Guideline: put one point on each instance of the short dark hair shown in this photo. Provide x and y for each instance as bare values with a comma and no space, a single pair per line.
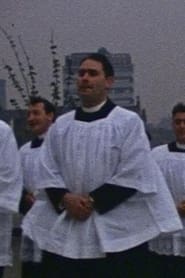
179,107
48,106
106,64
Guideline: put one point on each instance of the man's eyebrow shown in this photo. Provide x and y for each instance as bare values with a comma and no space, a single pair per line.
90,71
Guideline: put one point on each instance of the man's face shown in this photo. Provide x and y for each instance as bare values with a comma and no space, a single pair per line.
178,123
91,82
37,118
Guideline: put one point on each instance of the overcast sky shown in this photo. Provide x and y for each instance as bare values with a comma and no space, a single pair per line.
152,31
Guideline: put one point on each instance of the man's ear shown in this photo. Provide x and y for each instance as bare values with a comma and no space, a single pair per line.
109,81
51,116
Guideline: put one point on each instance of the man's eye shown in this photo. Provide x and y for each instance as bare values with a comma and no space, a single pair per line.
81,73
90,72
178,122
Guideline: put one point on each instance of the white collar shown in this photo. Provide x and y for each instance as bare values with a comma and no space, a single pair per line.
94,108
42,136
180,146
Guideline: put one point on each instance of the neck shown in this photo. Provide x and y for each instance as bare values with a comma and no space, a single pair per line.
93,108
88,103
41,135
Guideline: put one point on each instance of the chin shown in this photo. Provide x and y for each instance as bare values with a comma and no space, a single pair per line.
84,93
35,131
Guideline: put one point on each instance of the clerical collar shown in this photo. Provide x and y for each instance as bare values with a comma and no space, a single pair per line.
38,140
176,147
42,136
94,108
180,146
103,112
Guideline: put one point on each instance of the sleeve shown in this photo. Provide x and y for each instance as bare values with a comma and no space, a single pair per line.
49,174
136,167
25,205
55,196
135,171
108,196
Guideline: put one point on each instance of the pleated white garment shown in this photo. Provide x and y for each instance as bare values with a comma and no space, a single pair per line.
82,156
172,165
10,190
29,160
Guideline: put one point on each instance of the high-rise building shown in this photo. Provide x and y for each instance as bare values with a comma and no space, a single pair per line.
122,92
2,94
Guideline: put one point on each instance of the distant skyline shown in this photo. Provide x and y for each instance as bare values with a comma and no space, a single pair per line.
151,31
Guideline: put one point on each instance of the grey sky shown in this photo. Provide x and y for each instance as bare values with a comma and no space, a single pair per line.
152,31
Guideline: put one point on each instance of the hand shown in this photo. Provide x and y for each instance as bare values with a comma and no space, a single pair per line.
26,202
181,208
77,206
29,198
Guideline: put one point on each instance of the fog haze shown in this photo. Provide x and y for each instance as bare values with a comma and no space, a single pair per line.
151,31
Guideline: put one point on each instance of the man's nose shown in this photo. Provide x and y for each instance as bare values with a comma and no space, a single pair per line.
85,75
182,123
30,117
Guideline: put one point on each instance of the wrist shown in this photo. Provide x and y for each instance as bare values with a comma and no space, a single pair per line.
91,200
64,200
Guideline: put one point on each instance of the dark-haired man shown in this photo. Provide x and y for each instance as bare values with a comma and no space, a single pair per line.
102,184
171,159
40,116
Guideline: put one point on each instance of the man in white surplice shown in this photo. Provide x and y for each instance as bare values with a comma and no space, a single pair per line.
170,248
10,191
103,196
40,116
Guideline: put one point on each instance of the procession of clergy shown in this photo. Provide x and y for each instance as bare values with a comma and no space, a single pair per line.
95,200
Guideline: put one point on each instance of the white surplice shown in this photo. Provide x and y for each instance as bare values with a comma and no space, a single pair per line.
82,156
29,160
10,190
172,165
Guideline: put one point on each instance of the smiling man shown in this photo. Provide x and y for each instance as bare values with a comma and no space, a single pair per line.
103,187
171,158
40,116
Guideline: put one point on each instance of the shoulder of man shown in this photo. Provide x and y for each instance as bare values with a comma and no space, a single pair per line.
25,147
6,131
160,148
126,118
65,117
4,126
126,112
160,152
